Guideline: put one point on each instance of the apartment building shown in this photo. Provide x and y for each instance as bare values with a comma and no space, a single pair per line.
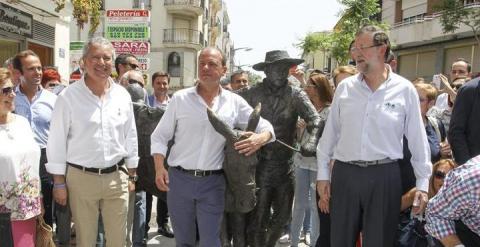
422,48
179,29
35,25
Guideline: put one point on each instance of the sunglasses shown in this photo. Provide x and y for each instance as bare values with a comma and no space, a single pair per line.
133,66
7,91
439,174
133,81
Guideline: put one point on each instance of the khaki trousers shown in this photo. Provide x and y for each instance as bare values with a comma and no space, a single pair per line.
91,193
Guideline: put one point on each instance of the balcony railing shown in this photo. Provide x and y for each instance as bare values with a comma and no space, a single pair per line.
194,3
182,36
422,18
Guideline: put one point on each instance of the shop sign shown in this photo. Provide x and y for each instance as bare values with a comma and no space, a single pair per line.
144,63
136,48
15,21
127,31
128,16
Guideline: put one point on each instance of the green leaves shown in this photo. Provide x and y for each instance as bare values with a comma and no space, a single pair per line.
356,14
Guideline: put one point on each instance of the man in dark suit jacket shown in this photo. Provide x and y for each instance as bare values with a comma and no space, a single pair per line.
464,132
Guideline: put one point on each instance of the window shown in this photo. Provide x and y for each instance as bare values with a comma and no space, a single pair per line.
138,4
174,64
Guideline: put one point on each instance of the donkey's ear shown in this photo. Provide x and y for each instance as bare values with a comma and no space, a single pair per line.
221,127
254,118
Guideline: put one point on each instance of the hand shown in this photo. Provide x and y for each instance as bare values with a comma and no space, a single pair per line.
301,123
131,186
161,179
323,189
250,145
60,195
445,150
300,76
419,202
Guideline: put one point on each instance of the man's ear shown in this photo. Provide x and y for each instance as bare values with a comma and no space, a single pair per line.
17,73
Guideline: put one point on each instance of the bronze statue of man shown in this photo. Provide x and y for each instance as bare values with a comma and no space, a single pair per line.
282,105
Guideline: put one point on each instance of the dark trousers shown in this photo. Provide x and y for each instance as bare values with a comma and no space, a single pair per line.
365,199
466,236
162,211
6,238
324,235
196,198
47,188
276,183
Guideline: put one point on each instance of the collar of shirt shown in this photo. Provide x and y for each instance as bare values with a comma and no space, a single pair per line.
18,92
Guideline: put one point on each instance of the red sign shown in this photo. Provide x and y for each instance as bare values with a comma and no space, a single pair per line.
128,13
132,47
128,16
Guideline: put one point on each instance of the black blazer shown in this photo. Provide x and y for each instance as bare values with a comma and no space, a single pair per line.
464,132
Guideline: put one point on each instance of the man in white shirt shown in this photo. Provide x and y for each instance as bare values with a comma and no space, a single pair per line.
92,143
370,113
195,180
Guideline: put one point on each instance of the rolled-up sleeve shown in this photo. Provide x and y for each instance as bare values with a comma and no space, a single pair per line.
131,142
417,141
164,130
452,202
57,139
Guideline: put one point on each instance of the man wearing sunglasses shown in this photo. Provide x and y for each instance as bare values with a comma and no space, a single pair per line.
453,214
36,104
125,62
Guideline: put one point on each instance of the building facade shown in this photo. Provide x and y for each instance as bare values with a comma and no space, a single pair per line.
179,29
420,44
35,25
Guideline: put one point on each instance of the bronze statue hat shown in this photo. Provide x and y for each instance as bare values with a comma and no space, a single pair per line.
277,56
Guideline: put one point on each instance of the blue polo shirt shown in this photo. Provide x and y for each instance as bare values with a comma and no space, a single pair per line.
38,112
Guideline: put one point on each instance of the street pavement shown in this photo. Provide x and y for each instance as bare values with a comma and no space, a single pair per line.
155,240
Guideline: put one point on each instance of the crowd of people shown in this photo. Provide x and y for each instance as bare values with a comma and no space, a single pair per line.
358,157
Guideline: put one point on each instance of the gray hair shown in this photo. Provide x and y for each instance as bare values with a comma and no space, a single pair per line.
100,41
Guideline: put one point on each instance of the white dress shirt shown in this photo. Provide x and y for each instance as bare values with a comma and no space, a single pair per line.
365,125
196,144
442,101
92,132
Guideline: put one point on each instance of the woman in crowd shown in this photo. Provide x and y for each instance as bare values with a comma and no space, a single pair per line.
439,172
343,72
19,159
320,93
50,79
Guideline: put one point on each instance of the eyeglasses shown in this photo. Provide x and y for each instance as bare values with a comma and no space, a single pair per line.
52,85
440,174
133,81
7,91
361,49
132,65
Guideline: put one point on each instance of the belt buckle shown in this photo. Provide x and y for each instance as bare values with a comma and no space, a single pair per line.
197,173
362,163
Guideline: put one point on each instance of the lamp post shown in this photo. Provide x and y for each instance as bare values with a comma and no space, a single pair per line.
232,56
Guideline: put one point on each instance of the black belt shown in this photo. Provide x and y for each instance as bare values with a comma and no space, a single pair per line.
363,163
198,173
119,166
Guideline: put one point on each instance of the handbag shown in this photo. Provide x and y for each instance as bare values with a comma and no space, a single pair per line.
44,234
413,234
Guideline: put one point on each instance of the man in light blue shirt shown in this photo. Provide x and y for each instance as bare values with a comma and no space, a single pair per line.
35,104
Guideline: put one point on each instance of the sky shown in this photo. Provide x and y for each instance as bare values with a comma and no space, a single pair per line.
265,25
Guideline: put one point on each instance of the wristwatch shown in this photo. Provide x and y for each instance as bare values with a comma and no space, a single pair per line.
133,178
